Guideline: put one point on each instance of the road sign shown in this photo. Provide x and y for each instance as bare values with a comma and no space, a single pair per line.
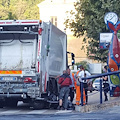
105,39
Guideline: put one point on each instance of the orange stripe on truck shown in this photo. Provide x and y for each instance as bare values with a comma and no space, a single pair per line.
10,72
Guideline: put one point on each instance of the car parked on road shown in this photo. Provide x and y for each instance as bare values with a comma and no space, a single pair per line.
96,84
90,86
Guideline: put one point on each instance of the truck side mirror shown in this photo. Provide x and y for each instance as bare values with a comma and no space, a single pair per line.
73,60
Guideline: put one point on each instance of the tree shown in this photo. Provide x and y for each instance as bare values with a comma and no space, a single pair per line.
22,9
85,64
88,21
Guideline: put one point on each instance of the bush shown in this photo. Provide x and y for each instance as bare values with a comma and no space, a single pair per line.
84,63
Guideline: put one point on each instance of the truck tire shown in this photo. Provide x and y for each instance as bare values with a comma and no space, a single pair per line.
37,105
53,106
2,103
11,103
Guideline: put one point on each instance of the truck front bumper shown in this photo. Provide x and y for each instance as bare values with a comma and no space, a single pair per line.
32,92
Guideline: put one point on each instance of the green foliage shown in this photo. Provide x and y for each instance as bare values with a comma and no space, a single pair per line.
89,21
19,9
84,63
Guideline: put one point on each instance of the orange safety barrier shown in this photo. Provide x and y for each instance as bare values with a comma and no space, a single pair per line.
11,72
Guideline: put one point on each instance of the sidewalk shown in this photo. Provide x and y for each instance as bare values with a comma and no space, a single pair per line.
94,102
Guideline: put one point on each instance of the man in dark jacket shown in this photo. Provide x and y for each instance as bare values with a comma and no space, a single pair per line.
64,81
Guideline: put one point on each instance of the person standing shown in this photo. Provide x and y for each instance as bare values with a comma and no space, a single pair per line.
84,73
72,87
105,84
64,81
77,87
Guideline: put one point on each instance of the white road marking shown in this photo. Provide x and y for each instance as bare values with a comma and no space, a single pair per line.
10,112
36,112
64,111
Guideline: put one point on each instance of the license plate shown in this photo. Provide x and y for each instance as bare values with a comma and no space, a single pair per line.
8,78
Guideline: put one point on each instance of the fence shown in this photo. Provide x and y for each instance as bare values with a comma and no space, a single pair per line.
96,76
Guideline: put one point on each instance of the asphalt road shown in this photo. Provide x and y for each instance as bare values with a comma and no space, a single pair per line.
23,112
109,114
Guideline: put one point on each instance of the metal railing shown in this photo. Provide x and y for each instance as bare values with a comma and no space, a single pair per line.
96,76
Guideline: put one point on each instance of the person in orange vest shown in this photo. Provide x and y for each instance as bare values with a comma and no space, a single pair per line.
77,87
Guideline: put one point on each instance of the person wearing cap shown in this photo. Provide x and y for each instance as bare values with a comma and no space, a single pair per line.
77,87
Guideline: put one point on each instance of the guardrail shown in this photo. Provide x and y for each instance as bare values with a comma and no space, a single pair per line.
96,76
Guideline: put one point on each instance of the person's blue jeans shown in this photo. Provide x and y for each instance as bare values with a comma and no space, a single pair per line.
64,93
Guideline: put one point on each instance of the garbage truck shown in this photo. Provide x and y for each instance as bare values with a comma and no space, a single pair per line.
32,54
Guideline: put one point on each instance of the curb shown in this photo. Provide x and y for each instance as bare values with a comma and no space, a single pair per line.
95,107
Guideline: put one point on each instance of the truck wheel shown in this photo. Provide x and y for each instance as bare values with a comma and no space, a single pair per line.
11,103
55,106
2,103
37,105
